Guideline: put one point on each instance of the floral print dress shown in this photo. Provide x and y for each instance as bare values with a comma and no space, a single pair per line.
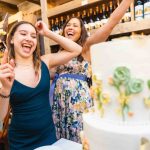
71,98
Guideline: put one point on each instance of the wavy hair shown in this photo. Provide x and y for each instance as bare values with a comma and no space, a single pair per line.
83,35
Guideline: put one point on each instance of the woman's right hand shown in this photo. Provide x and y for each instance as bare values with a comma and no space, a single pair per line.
6,73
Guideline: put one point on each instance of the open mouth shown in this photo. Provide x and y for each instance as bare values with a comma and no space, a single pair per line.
70,34
26,47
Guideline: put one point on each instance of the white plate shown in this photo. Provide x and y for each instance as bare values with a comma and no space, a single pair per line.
48,148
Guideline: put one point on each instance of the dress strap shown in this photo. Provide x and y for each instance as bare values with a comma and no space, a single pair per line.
57,76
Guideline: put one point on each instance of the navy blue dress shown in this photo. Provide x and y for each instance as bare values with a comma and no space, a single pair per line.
31,125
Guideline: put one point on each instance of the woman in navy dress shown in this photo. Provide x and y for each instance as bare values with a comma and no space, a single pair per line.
25,80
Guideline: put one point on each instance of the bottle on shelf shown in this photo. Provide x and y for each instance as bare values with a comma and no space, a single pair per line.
97,19
91,23
52,26
139,10
110,8
127,16
104,15
67,17
85,19
61,23
116,3
79,14
147,9
73,15
57,30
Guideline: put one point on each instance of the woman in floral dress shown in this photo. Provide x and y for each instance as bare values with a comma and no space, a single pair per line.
71,98
70,94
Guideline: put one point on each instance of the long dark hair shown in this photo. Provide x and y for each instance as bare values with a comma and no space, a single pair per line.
10,46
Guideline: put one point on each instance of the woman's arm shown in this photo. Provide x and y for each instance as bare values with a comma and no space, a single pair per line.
102,33
71,49
6,79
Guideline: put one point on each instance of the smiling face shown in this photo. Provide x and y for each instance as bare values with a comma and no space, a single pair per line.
24,40
73,29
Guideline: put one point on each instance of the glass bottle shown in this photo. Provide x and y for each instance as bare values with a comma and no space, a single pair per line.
91,21
57,26
104,15
97,20
52,25
61,23
147,9
139,9
111,8
127,16
85,19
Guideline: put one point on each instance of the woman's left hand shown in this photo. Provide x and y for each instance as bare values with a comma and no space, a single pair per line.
41,28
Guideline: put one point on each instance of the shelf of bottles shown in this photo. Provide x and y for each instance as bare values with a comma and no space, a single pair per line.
96,15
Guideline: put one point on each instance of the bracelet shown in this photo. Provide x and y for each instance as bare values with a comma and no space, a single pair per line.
4,96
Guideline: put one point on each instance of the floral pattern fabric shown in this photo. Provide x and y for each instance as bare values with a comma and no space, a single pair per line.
71,98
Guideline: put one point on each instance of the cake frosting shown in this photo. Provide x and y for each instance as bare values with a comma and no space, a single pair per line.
121,87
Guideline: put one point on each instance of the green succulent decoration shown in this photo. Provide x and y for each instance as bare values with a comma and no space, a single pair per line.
126,86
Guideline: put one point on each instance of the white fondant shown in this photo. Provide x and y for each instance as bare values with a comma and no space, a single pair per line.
111,132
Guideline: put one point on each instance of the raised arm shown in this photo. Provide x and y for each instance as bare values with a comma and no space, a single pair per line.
102,33
71,49
6,80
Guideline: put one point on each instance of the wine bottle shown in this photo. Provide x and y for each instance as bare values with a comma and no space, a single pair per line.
91,21
104,15
61,23
52,25
127,16
147,9
111,8
97,20
57,26
85,19
79,14
139,9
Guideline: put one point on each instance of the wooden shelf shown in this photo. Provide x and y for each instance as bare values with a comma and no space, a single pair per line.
132,26
74,4
127,27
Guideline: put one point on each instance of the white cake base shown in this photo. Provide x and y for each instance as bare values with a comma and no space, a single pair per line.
62,144
109,135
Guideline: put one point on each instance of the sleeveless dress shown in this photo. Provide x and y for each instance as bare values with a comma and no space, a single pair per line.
71,98
31,124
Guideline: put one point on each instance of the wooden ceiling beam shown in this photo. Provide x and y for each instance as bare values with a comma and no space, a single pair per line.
4,8
28,7
13,18
57,2
12,2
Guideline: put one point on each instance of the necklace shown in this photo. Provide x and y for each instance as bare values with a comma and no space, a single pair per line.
23,65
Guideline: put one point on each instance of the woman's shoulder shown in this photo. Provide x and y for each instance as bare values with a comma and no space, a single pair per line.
45,59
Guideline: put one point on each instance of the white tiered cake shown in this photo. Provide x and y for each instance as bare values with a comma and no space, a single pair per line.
121,83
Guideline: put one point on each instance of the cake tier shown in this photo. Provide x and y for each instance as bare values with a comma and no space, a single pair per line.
113,135
129,98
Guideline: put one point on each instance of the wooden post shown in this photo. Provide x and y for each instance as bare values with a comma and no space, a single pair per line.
28,9
132,15
45,19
